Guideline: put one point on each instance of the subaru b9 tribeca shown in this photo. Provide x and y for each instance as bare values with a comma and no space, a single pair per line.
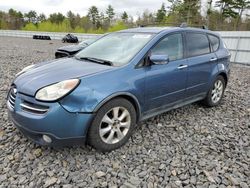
98,96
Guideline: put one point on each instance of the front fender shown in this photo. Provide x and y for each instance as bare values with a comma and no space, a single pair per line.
95,90
92,100
121,94
84,100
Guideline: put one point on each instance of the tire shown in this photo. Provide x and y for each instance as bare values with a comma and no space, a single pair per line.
211,99
104,134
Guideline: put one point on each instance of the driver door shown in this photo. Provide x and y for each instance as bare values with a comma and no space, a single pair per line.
165,84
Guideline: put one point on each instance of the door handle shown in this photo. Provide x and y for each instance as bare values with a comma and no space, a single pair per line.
213,59
182,67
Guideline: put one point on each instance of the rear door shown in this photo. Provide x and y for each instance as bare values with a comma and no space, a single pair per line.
200,62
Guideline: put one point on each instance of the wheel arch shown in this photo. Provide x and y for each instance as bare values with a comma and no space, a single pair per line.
128,96
224,75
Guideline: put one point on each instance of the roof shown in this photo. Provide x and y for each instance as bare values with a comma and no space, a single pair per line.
148,29
160,29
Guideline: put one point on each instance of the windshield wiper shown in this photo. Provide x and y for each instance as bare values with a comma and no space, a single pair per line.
96,60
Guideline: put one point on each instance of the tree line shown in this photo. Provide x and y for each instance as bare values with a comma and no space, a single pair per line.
215,14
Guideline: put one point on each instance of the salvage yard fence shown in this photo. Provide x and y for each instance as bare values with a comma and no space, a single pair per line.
53,35
238,42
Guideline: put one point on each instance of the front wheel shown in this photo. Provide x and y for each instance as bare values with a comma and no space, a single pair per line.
112,125
216,92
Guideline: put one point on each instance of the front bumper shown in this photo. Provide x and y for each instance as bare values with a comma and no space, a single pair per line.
61,126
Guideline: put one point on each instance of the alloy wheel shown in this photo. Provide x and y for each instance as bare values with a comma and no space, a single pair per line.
115,125
217,91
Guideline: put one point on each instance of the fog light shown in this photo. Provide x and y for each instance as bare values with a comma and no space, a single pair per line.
47,139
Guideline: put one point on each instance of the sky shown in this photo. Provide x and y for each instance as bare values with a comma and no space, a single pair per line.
132,7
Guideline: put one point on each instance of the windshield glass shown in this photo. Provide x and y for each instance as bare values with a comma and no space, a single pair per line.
87,41
118,48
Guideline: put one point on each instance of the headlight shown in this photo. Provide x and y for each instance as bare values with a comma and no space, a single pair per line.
25,69
56,91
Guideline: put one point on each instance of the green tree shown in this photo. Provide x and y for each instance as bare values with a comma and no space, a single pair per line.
226,10
124,17
209,11
214,23
174,11
3,18
32,16
240,6
110,13
41,17
104,22
85,23
74,20
190,11
174,4
56,18
93,15
147,18
161,14
15,19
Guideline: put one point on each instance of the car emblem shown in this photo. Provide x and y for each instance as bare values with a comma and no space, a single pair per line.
15,91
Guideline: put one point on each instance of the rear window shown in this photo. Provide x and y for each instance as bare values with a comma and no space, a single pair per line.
197,44
215,42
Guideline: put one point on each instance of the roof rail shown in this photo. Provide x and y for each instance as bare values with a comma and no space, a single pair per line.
204,27
183,25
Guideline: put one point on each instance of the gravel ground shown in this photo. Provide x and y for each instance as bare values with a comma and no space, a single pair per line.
189,147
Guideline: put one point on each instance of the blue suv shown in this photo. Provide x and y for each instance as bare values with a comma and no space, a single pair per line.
98,96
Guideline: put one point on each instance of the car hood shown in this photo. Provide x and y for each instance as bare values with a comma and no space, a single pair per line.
71,48
47,73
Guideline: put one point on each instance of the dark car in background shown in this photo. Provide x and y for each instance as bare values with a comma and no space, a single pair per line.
70,38
70,50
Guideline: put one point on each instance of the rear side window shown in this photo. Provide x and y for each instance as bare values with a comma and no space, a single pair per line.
197,44
215,42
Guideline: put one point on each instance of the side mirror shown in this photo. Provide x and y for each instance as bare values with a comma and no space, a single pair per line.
159,59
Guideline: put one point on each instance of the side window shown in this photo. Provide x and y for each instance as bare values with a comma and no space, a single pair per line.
171,45
197,44
215,41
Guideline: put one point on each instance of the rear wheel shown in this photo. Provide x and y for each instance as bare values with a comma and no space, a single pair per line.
112,125
216,92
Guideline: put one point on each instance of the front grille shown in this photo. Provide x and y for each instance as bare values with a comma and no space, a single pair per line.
33,108
12,97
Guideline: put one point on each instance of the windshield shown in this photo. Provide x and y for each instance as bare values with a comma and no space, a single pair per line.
87,41
118,48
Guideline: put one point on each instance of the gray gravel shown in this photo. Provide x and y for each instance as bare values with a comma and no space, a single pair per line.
189,147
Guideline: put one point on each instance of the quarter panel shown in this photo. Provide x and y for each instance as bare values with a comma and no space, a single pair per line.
199,73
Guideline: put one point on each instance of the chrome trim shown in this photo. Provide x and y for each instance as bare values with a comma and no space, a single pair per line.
213,59
12,98
15,91
182,67
33,109
10,105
